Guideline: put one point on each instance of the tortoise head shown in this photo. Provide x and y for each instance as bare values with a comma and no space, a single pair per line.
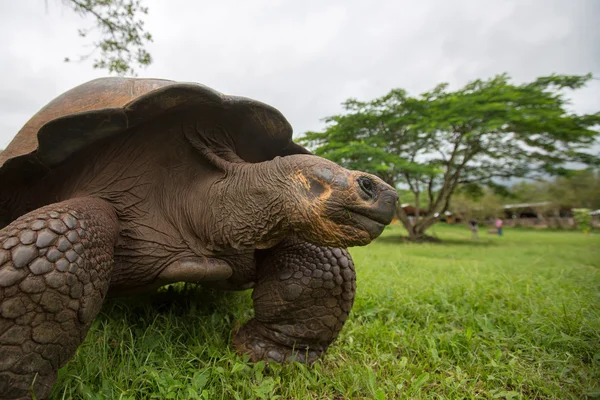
335,206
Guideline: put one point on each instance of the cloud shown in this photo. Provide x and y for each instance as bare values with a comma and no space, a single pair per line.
305,58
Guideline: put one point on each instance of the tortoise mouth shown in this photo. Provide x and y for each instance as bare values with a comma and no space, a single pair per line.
374,215
372,224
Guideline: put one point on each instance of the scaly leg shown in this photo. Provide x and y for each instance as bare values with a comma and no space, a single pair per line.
302,298
55,265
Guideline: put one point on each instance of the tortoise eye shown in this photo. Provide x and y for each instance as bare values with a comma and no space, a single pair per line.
366,185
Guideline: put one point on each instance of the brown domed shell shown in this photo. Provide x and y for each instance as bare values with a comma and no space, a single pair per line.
107,107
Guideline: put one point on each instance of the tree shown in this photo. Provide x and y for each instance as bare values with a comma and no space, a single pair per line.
485,205
583,218
581,189
122,33
578,189
433,143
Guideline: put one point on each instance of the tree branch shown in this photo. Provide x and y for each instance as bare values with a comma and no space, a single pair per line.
123,35
430,192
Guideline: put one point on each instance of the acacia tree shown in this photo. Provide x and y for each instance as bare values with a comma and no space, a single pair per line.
122,32
437,141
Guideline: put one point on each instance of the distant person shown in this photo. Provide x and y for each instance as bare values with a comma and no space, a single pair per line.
499,226
474,229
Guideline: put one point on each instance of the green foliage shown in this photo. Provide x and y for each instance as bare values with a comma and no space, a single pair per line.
471,190
583,219
483,204
579,189
488,130
123,35
512,317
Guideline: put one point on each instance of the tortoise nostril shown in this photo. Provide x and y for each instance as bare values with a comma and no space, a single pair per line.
390,197
367,186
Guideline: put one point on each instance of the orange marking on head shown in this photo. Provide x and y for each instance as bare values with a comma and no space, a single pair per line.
303,180
327,192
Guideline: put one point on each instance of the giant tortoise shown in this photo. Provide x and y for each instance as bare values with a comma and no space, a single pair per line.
125,185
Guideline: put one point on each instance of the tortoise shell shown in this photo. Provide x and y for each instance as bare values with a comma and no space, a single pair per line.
107,107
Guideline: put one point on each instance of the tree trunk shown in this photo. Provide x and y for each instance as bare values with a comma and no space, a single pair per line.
426,223
416,231
417,204
403,217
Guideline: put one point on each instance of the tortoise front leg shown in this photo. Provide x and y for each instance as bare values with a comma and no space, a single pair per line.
55,266
302,298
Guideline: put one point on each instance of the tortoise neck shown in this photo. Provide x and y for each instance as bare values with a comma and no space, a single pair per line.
248,208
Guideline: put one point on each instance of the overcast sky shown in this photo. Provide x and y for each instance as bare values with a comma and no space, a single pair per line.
305,57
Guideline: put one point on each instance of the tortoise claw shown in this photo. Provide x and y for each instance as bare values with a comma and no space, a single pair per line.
250,340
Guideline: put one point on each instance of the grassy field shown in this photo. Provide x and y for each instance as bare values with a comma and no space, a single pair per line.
511,317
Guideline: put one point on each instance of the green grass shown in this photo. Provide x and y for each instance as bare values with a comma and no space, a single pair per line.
511,317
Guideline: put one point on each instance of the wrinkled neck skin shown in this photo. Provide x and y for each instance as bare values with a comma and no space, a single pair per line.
247,208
